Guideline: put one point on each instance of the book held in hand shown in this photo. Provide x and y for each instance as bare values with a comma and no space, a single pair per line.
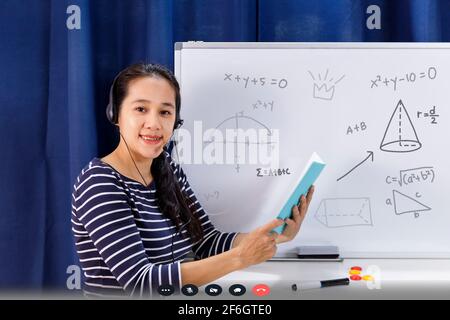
309,175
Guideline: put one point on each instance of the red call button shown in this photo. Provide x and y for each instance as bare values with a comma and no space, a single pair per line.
261,290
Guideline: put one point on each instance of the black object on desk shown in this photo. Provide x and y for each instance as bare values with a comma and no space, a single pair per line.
305,285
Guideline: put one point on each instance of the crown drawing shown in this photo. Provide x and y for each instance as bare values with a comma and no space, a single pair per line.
323,92
323,87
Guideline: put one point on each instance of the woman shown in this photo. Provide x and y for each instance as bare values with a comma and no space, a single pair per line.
134,215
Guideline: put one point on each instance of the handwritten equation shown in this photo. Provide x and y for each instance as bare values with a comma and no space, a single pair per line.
212,195
266,105
429,114
356,128
247,81
261,172
413,176
411,77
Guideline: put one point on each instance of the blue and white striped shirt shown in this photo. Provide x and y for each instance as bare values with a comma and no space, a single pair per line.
124,242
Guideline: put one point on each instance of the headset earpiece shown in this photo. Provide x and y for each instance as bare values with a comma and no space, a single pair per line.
111,112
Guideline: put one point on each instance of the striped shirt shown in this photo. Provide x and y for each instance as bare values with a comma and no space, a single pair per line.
124,243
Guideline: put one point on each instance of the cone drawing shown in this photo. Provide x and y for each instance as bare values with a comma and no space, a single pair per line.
400,134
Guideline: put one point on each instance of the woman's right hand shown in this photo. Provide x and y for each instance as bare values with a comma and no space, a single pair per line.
258,245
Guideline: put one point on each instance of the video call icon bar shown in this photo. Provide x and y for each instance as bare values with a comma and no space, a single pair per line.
214,290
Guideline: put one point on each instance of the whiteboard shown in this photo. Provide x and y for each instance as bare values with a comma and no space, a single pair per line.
376,113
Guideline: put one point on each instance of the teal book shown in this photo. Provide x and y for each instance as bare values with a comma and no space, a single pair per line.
308,177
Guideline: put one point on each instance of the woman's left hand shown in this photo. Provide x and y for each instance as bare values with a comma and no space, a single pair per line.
298,214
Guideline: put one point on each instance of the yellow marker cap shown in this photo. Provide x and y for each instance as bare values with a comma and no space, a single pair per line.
355,272
367,278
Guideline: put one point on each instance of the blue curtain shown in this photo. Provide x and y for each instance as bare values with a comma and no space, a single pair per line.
55,83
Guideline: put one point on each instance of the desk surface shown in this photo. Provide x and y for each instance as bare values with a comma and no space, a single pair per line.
393,279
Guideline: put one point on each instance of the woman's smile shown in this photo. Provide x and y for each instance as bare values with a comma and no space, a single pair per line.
151,139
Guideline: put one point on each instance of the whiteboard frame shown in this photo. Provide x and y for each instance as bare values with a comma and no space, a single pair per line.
179,46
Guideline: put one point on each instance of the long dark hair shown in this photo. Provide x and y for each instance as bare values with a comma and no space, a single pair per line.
173,202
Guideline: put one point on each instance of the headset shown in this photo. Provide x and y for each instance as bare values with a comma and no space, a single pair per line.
112,114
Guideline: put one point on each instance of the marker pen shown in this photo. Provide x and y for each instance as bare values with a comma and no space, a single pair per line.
305,285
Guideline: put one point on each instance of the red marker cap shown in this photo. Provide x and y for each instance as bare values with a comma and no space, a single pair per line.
355,277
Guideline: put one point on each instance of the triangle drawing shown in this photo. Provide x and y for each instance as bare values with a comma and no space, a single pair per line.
405,204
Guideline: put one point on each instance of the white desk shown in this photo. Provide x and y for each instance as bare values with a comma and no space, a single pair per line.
393,279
